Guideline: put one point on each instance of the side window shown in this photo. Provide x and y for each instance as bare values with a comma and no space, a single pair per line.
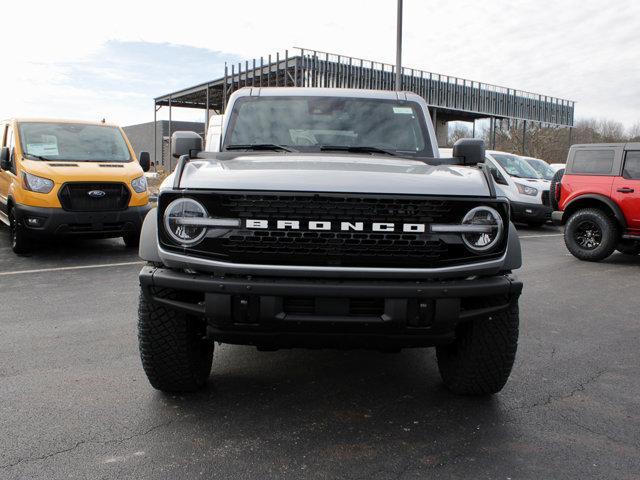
597,162
632,166
10,143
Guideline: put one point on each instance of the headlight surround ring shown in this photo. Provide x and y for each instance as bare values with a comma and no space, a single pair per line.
483,242
185,235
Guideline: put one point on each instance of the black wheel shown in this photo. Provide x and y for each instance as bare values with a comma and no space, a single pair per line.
591,235
20,242
480,360
629,247
176,356
132,240
557,178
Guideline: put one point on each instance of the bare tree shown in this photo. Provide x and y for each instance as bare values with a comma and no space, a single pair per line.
457,132
551,143
634,132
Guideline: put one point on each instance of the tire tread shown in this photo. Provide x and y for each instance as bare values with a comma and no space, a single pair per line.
481,359
167,342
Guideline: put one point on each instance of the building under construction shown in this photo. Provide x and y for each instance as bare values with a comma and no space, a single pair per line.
449,98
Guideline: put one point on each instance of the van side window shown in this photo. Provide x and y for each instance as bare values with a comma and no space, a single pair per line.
10,143
593,161
632,166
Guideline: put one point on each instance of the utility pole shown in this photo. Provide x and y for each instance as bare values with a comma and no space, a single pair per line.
399,48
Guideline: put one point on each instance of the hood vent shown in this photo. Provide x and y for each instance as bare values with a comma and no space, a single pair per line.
111,165
63,164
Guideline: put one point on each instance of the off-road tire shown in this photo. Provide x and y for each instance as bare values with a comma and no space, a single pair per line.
557,178
480,360
629,248
18,238
175,354
608,228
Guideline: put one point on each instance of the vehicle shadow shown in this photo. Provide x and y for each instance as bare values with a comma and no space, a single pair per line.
621,259
64,252
338,408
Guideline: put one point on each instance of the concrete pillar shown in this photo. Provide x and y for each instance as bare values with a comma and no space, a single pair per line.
442,132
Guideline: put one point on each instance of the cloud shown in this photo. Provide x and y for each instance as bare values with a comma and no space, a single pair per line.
117,81
70,52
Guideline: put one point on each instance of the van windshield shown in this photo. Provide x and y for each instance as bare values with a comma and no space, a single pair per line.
542,167
73,141
312,124
515,166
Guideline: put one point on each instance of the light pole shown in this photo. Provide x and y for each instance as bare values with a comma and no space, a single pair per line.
399,48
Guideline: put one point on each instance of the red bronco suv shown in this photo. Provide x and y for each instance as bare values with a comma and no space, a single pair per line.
598,200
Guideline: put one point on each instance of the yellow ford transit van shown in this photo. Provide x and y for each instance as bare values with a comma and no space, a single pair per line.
60,177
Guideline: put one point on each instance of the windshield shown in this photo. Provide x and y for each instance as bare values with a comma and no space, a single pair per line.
542,167
323,123
73,141
515,166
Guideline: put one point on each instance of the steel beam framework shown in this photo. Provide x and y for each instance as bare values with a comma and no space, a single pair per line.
451,97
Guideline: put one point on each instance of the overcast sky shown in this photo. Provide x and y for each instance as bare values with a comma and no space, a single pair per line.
91,60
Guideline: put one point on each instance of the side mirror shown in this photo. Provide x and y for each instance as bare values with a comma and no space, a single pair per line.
183,143
5,159
470,150
499,179
145,161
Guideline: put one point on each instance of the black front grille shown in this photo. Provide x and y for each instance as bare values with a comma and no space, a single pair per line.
545,198
333,247
353,307
76,197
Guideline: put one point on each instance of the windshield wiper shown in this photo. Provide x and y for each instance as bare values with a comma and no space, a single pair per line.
38,157
355,149
260,146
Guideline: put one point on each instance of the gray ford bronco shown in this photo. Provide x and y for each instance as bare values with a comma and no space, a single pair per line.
325,218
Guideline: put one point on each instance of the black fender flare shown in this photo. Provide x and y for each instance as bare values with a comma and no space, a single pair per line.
615,209
513,257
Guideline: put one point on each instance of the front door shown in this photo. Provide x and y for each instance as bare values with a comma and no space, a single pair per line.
626,190
5,177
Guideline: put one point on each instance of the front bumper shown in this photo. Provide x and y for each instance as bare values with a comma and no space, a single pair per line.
530,212
57,221
286,312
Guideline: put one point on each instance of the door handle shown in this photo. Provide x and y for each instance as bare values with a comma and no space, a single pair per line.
625,190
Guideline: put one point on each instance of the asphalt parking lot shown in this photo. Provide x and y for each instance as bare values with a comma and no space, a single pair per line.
75,402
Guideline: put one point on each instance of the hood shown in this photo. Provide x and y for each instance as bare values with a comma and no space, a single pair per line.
539,183
68,171
332,173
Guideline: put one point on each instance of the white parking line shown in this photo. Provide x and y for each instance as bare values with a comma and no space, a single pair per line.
538,236
79,267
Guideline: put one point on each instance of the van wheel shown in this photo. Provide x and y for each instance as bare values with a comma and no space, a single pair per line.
132,240
20,242
479,362
591,235
175,353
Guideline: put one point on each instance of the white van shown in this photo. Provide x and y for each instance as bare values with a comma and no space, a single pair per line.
521,184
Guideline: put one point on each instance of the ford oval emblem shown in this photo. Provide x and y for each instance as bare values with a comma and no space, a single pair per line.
96,193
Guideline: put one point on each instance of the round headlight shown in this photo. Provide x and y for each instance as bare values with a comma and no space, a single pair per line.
483,241
176,221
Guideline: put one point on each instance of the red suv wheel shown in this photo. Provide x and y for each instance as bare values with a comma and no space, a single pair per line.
591,235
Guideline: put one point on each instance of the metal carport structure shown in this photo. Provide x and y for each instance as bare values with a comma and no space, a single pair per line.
449,98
